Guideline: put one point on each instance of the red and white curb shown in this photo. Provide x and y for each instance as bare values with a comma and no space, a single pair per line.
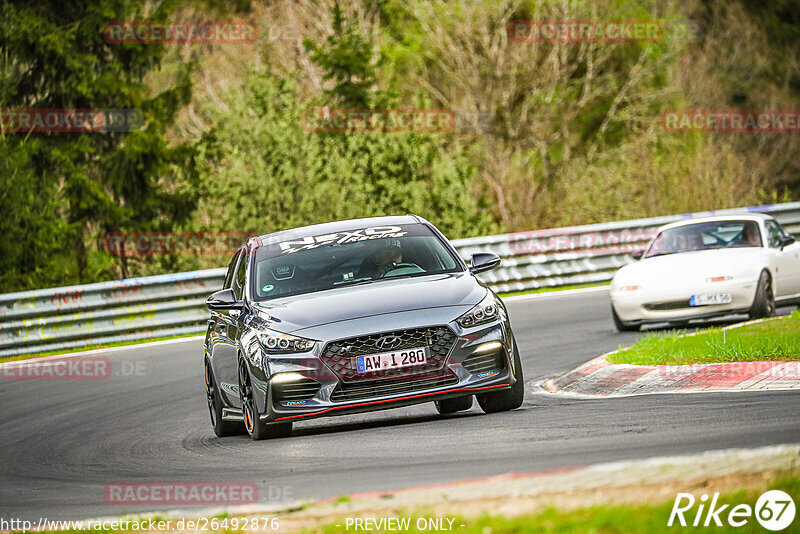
601,378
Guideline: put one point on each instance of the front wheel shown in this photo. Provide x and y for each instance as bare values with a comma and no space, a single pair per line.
502,401
764,302
221,428
257,428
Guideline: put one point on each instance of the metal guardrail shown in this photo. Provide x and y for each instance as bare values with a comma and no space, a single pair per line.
173,304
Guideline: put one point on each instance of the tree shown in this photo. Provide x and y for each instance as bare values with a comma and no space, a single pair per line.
54,56
348,61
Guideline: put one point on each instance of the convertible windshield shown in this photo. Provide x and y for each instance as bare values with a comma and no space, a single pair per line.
362,256
706,236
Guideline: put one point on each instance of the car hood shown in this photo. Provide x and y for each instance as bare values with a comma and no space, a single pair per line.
687,266
459,290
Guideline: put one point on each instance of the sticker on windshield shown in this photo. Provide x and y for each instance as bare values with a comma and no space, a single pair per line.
267,288
283,272
340,238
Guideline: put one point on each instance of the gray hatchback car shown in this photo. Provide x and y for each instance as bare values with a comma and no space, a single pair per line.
354,316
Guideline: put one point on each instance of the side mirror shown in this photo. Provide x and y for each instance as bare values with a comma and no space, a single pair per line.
484,261
786,241
637,255
224,299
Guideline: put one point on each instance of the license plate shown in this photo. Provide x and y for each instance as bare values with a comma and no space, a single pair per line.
392,360
709,299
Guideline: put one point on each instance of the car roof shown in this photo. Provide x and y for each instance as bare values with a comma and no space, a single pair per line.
717,218
336,227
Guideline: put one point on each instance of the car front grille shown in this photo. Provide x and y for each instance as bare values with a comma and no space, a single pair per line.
341,355
669,305
353,391
296,391
484,362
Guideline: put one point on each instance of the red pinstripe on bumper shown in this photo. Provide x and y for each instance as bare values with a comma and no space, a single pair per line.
389,400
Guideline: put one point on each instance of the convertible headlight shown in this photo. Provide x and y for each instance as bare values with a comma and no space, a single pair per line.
485,312
279,343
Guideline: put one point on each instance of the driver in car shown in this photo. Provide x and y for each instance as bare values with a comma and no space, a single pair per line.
750,237
689,241
382,261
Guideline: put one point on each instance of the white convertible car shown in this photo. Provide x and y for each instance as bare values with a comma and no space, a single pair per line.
702,268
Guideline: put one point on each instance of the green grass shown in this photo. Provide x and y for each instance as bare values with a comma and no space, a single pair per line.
549,289
92,347
619,519
772,340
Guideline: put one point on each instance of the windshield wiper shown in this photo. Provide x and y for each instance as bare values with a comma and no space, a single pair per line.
355,281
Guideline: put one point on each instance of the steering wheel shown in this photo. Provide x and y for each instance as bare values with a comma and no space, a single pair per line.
389,267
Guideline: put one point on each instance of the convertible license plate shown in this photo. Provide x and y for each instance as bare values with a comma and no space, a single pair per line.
709,299
392,360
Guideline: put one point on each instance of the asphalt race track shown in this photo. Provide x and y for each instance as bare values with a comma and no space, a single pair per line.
63,441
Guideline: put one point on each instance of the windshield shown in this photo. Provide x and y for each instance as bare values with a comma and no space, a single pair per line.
705,236
363,256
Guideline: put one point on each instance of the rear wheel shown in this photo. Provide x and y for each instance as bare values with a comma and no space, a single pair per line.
221,428
448,406
621,325
764,302
509,399
257,428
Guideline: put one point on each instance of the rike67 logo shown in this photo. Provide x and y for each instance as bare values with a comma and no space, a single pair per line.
774,510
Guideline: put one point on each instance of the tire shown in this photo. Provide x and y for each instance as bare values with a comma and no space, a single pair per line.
448,406
621,325
764,301
256,428
503,401
221,428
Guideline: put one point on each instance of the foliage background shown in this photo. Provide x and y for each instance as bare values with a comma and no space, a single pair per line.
548,134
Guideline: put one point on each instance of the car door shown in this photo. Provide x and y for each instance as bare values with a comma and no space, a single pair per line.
224,353
786,261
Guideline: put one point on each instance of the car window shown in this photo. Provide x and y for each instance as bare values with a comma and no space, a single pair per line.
231,269
239,277
706,236
305,264
774,234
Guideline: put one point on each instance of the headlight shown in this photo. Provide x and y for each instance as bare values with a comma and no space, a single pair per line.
485,312
279,343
